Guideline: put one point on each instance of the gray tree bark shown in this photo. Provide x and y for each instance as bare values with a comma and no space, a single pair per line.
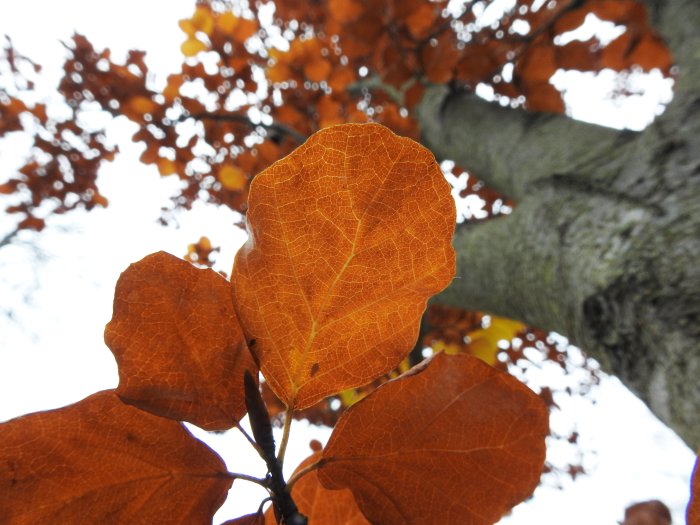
604,243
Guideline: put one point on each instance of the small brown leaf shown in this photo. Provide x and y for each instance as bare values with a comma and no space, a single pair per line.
178,344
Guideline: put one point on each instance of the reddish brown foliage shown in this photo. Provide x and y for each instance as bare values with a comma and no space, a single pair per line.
102,461
321,278
178,344
401,45
495,457
652,512
181,356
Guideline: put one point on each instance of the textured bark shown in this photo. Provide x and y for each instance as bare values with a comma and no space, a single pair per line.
604,244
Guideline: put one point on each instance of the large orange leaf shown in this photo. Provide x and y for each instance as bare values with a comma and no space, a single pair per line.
348,237
693,516
102,461
320,505
178,344
450,441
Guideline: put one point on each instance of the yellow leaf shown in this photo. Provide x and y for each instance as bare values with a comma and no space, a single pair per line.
232,178
192,46
165,166
203,19
484,342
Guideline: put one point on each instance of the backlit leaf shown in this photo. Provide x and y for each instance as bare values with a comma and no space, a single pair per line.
102,461
451,441
178,344
348,237
320,505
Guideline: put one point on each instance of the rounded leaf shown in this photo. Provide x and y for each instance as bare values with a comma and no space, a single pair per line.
349,236
102,461
180,350
452,440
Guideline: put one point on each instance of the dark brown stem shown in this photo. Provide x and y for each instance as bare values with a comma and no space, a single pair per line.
285,507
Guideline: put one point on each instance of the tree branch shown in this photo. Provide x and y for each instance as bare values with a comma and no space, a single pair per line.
471,131
276,127
9,237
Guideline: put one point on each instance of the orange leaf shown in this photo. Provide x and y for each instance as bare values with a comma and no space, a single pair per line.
537,65
202,19
544,97
320,505
239,28
414,95
421,19
651,52
345,10
317,69
101,461
577,55
570,20
166,166
340,78
329,112
349,237
440,60
452,440
178,344
693,513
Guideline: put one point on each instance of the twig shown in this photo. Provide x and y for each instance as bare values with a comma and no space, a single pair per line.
250,440
245,477
242,119
288,416
308,468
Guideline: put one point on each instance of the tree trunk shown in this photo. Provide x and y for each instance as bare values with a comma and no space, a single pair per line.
604,243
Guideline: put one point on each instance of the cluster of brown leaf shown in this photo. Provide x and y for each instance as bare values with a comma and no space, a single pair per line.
216,123
60,172
326,295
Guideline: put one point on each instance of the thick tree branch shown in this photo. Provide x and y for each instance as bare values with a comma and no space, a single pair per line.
603,244
503,146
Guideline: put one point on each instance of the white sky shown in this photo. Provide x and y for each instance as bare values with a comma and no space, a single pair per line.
54,354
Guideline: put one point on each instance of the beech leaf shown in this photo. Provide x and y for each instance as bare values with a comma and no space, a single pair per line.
349,236
177,341
452,440
102,461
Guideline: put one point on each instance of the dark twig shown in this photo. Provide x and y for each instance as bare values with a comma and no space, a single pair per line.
276,127
262,431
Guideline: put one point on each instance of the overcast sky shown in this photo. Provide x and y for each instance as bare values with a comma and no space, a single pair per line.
60,286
